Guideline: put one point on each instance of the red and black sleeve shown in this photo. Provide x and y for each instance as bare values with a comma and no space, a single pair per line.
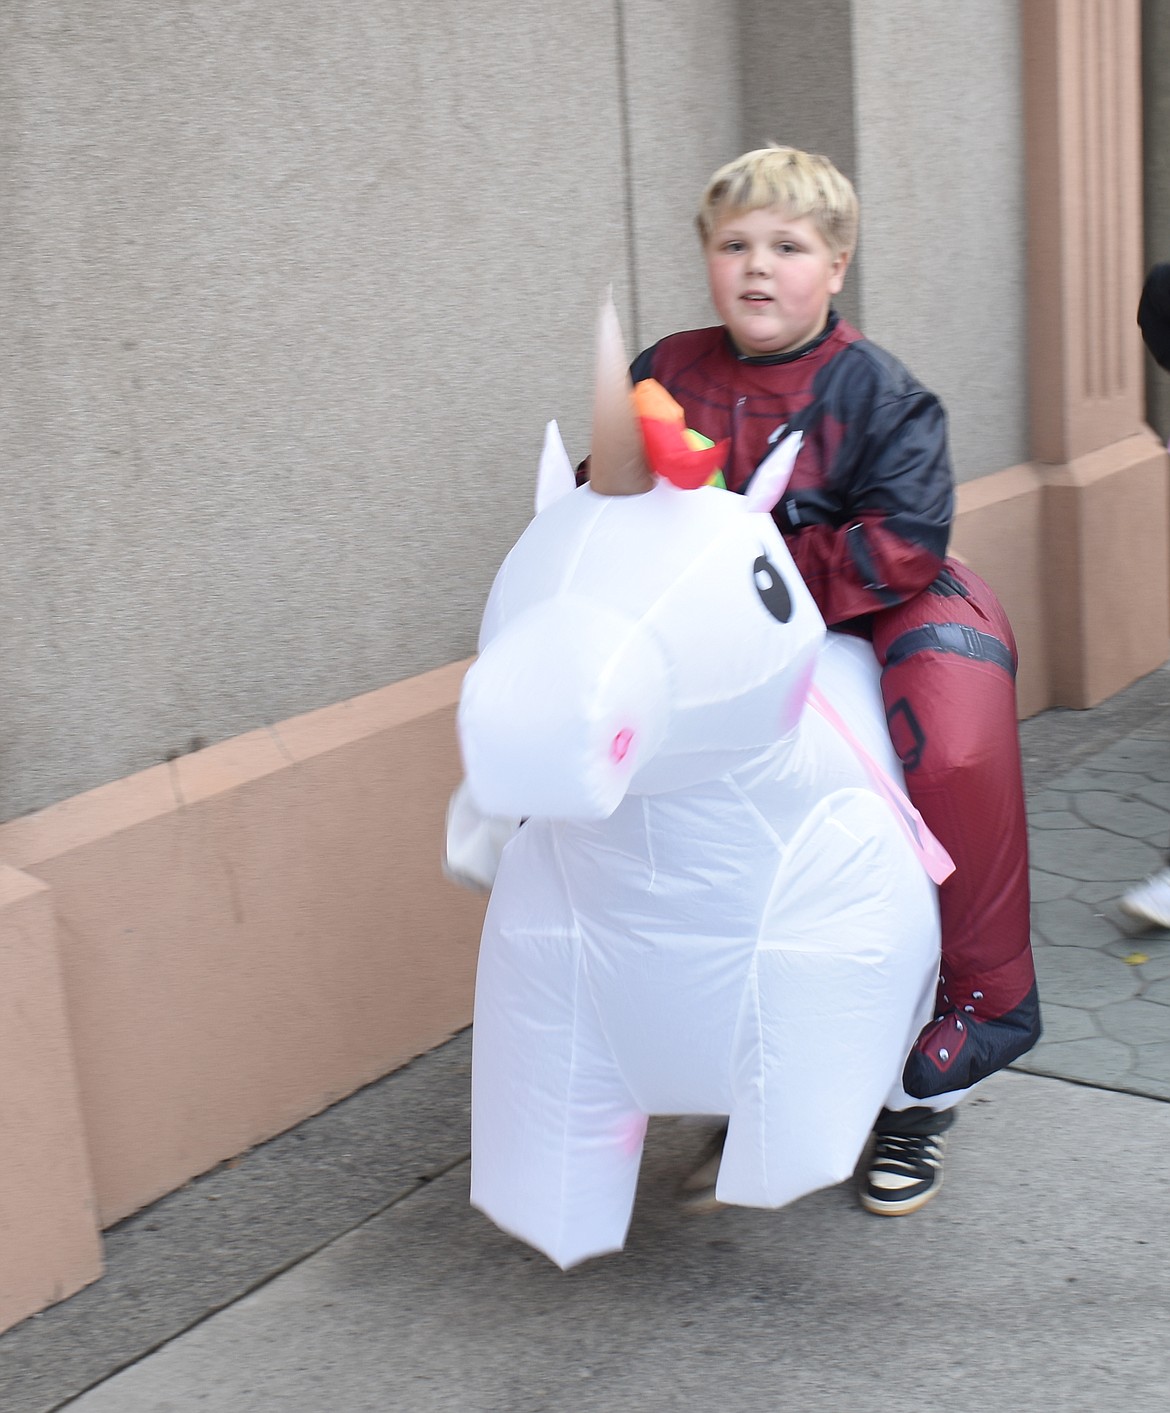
875,532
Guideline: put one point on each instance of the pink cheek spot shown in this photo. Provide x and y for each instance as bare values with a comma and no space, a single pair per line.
792,708
632,1134
620,745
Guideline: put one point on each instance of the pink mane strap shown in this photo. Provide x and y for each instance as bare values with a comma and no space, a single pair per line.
934,858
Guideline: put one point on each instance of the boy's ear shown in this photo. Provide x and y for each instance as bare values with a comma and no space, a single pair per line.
837,272
554,475
770,478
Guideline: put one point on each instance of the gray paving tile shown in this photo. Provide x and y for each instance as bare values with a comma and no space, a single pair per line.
1101,892
1131,1083
1154,940
1152,1087
1158,992
1157,968
1088,855
1095,1061
1056,741
1131,951
1066,1023
1153,1061
1155,947
1135,756
1078,976
1138,1023
1123,814
1042,800
1066,922
1046,886
1158,793
1054,819
1084,777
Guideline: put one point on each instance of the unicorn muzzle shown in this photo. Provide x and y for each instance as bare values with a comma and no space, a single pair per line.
559,711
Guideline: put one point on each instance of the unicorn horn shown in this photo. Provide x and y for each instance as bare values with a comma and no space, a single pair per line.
617,463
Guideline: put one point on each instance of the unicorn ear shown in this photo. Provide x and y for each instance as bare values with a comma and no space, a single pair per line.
771,475
554,476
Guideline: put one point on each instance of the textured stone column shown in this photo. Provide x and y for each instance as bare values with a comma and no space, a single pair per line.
1083,123
1106,519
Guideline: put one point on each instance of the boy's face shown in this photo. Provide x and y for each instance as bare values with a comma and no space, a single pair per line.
772,277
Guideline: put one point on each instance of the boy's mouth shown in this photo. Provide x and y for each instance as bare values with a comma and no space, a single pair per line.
755,297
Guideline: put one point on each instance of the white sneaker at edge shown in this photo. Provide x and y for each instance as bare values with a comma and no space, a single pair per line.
1150,901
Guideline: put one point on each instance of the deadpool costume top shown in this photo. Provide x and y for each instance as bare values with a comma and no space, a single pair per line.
873,460
866,516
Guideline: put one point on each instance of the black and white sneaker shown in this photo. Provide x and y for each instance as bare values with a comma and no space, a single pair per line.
904,1173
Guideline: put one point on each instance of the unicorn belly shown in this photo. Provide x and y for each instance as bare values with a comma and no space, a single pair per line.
667,895
778,978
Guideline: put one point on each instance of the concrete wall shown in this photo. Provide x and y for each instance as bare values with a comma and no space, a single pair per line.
919,104
940,166
683,105
287,292
798,89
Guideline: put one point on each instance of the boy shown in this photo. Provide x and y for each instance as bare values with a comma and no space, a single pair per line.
867,516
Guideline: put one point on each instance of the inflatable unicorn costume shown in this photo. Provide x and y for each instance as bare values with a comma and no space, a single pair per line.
719,902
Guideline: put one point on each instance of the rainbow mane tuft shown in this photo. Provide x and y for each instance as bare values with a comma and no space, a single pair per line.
676,452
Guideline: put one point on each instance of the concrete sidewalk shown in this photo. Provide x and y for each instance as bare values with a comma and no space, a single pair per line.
341,1268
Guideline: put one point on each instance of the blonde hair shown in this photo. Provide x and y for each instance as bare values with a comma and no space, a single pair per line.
802,183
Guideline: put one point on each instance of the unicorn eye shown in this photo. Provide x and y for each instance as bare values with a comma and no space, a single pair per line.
772,589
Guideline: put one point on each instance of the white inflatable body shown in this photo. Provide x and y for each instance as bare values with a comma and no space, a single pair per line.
710,910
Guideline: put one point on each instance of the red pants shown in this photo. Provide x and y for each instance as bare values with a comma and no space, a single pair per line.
948,662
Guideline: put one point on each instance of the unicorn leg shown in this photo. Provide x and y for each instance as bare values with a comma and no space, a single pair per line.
848,945
556,1139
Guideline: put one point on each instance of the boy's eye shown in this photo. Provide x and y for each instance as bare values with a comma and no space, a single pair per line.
733,246
786,247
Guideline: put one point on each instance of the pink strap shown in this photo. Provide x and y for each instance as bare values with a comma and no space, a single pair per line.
935,859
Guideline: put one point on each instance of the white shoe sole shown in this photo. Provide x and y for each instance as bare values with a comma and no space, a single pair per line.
903,1208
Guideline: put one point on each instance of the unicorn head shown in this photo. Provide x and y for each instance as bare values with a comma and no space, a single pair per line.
639,637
